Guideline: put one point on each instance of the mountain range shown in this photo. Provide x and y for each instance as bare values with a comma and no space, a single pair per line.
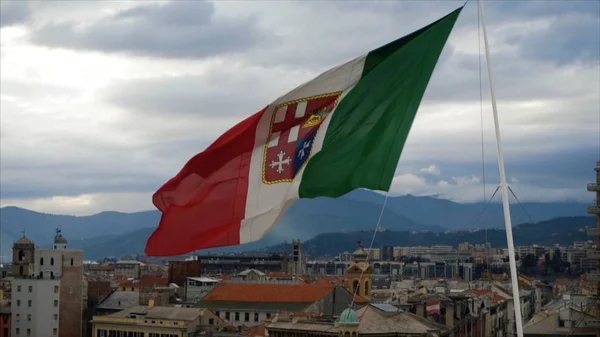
563,231
114,233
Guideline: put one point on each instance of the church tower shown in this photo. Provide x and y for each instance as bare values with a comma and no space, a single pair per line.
23,257
360,273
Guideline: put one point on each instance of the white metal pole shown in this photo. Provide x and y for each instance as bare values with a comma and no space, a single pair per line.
503,184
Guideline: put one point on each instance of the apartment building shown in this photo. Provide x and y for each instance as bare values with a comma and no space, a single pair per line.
47,289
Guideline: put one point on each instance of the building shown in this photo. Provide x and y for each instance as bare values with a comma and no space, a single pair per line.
151,321
197,287
47,289
594,278
569,320
179,271
233,264
360,274
381,320
387,253
249,304
128,269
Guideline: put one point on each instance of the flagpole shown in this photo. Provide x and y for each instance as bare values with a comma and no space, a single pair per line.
503,184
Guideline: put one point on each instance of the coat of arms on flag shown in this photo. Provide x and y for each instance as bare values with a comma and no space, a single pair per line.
294,125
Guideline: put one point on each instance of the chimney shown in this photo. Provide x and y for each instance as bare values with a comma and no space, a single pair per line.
150,303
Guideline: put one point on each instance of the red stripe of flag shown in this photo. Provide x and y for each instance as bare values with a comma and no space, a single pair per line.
204,204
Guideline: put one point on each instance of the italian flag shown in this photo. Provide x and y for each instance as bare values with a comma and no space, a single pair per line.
343,130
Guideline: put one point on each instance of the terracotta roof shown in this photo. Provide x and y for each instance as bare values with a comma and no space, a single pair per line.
360,299
252,292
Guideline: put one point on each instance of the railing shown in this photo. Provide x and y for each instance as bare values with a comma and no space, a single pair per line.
593,187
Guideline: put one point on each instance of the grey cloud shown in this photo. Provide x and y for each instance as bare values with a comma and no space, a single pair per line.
533,9
567,39
565,172
218,94
184,29
13,12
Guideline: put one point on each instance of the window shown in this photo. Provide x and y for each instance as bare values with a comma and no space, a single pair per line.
211,321
227,315
17,331
41,261
246,317
256,316
28,317
218,314
56,289
18,303
30,289
237,316
56,303
29,303
123,288
71,261
55,317
51,261
18,317
54,332
52,275
28,332
18,289
20,272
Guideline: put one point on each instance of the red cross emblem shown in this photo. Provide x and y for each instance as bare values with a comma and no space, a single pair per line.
292,131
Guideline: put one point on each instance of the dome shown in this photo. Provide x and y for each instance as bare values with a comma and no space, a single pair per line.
349,316
60,239
24,241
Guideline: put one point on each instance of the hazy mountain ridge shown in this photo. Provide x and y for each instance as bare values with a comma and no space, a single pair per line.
562,231
356,211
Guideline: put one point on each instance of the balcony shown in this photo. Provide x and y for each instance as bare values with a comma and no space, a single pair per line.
593,210
593,231
593,187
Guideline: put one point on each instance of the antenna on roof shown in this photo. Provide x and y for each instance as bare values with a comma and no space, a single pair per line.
23,231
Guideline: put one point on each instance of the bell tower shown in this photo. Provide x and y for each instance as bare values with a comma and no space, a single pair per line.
360,273
23,257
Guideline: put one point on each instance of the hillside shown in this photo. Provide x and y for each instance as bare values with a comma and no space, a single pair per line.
562,231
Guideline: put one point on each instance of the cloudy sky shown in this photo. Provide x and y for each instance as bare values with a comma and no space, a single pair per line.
102,102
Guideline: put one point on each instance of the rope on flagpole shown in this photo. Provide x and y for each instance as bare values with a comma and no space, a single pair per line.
370,247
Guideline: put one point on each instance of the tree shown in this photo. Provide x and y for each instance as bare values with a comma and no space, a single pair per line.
557,263
529,262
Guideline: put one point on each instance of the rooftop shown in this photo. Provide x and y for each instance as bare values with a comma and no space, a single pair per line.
260,292
170,313
120,300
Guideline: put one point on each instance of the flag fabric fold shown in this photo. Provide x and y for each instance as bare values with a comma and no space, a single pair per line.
343,130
